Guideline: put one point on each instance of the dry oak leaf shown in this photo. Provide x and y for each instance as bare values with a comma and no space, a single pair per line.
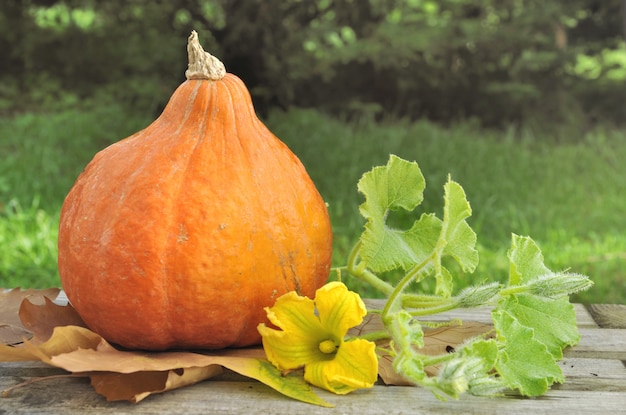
52,329
64,339
42,319
134,387
11,329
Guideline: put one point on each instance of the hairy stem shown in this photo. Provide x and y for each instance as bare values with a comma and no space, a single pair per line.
359,270
394,302
450,304
514,289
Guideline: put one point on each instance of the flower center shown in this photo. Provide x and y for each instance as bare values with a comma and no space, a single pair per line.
328,347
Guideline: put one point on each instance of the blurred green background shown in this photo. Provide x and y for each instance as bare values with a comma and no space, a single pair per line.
521,101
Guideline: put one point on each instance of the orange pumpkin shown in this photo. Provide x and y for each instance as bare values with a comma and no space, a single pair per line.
179,235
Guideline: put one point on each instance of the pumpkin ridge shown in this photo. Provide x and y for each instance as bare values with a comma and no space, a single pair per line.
207,93
232,113
188,108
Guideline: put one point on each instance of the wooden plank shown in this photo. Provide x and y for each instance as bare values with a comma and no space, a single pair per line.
592,374
580,374
611,316
600,344
398,400
74,396
584,319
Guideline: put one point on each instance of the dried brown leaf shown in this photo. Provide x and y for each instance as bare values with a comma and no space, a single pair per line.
11,335
135,387
10,302
41,319
63,340
444,339
106,358
132,375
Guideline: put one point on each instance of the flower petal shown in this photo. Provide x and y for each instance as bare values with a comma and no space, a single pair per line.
355,366
296,315
287,351
339,309
298,342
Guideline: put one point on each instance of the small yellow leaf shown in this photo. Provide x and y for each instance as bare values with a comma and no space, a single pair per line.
291,385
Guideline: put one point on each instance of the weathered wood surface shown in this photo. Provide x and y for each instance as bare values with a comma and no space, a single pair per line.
595,384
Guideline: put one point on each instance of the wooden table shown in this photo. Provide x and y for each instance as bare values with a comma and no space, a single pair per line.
594,369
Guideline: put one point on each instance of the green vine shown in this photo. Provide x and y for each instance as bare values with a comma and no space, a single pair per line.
532,316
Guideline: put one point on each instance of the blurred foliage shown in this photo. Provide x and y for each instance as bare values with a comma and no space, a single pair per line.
500,62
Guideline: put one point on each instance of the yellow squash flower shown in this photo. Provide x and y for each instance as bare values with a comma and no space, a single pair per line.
312,335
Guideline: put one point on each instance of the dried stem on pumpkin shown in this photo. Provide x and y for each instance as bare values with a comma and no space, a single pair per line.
202,65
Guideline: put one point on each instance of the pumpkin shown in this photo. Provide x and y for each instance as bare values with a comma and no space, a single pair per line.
179,235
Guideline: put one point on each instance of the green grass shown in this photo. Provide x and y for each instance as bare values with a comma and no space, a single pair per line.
568,197
28,237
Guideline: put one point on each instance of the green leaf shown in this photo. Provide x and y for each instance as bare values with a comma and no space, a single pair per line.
523,361
487,350
526,261
553,320
457,239
532,329
398,185
460,238
384,249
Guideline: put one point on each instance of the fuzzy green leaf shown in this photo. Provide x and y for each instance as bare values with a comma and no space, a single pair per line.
552,320
460,238
532,329
523,362
398,185
480,380
526,261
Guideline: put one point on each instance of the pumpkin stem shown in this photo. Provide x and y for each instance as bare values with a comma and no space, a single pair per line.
202,65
